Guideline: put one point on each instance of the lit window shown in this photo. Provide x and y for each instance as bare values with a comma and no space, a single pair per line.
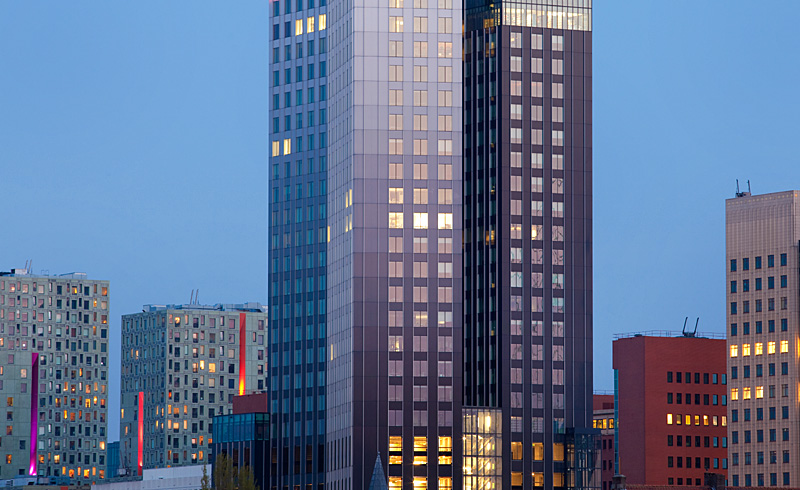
724,421
322,22
746,393
276,148
420,483
734,394
298,27
745,350
287,146
669,419
445,483
310,24
445,221
784,346
771,347
759,392
395,482
705,419
396,195
395,220
688,420
421,221
759,348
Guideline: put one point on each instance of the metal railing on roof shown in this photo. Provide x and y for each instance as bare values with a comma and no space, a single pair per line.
669,333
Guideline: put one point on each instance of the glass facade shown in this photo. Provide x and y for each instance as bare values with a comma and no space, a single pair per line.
528,230
298,238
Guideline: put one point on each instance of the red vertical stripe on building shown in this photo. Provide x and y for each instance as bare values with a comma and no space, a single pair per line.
242,351
140,417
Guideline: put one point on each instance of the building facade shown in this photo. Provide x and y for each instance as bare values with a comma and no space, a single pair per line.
298,238
244,437
394,256
672,413
53,375
528,236
604,421
762,234
181,366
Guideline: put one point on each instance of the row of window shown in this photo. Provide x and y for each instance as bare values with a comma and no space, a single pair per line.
759,284
748,460
707,441
759,370
678,399
310,73
773,480
770,262
705,420
310,97
747,392
301,26
772,413
678,462
759,327
24,288
759,305
773,436
287,6
679,377
298,50
758,348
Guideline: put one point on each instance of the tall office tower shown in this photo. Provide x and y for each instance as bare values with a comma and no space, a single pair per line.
181,366
528,241
394,257
298,241
671,395
604,417
53,375
762,234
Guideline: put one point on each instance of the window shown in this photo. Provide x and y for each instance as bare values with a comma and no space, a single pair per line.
395,220
395,24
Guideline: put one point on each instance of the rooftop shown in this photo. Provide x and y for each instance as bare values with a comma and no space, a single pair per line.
670,334
29,273
249,307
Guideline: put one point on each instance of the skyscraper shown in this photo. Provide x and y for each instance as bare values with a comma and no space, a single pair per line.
762,234
181,366
394,257
528,240
298,235
53,375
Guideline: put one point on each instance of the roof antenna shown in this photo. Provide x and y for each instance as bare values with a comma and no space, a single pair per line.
196,296
737,190
191,297
683,331
748,186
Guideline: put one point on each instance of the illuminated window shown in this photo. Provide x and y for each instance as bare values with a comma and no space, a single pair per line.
516,450
395,450
759,348
396,195
784,346
734,394
538,451
310,24
445,483
669,419
322,22
420,483
298,27
395,24
287,146
696,420
558,479
558,451
445,221
705,419
745,350
759,392
734,350
395,220
421,221
395,483
445,451
746,393
276,148
538,479
724,421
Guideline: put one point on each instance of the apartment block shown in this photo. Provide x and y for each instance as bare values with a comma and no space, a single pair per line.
672,409
762,234
53,375
181,366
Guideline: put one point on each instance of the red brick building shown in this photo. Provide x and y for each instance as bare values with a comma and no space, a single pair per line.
672,414
603,419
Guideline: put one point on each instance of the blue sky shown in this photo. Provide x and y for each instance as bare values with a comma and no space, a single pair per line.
133,146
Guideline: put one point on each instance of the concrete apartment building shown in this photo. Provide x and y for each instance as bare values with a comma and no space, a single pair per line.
181,366
672,413
762,234
53,375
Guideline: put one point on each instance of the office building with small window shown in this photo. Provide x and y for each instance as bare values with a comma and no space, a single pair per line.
762,234
672,408
181,366
53,375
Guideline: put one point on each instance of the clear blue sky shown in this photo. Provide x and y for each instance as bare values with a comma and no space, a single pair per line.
133,146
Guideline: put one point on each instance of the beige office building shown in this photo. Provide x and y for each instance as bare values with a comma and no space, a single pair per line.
762,235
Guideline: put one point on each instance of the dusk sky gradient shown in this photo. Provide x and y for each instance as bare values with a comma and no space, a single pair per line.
134,147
